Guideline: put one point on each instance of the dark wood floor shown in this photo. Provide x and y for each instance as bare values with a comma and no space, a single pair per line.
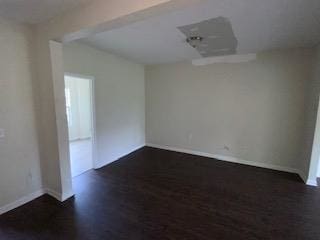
157,194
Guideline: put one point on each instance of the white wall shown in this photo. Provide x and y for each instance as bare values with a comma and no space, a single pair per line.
80,107
251,111
20,173
119,99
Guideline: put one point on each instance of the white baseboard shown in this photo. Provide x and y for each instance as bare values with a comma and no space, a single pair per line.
60,197
32,196
303,176
312,182
100,165
235,160
66,196
21,201
79,139
53,194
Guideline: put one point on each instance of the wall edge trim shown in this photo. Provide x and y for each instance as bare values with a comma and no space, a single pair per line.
129,152
235,160
21,201
32,196
312,182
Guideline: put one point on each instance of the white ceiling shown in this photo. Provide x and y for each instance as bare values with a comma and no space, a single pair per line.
35,11
258,25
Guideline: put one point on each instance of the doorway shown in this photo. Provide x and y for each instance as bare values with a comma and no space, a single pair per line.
80,112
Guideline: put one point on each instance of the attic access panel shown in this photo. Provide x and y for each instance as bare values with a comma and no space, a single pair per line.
218,38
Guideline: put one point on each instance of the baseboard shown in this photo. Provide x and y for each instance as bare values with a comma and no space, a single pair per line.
303,176
22,201
54,194
235,160
60,197
28,198
312,182
100,165
66,196
79,139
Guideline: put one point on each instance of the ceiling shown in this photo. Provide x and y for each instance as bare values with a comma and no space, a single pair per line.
35,11
258,25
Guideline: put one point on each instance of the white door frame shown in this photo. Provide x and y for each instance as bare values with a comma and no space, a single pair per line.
93,114
315,154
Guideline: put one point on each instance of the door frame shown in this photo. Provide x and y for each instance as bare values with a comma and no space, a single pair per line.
314,164
93,115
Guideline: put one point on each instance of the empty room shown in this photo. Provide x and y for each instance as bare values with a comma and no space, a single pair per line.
160,119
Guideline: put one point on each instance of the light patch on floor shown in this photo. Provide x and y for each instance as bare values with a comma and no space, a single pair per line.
80,156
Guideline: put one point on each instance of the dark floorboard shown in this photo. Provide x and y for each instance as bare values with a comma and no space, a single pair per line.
157,194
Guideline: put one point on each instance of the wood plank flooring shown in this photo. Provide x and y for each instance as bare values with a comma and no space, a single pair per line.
157,194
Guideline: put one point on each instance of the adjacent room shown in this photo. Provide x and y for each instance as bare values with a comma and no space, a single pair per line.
78,92
160,119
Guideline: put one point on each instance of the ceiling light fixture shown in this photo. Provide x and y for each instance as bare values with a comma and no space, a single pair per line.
194,41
